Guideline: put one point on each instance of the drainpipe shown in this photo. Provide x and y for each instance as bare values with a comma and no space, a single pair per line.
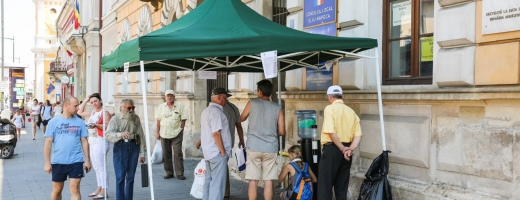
100,43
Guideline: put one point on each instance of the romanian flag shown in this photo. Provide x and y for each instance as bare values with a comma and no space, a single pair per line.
65,49
319,2
76,16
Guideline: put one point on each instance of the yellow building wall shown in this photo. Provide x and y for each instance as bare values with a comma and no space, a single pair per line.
132,12
497,57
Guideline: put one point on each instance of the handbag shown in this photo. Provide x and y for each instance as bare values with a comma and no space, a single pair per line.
29,120
144,175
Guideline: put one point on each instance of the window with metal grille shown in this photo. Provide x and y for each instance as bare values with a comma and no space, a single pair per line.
280,12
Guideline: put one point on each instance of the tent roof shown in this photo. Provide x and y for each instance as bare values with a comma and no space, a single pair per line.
227,35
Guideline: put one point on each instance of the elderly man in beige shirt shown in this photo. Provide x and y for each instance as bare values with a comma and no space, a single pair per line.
171,118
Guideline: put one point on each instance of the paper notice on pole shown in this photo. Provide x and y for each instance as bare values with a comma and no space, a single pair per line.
315,158
270,62
314,144
125,72
207,75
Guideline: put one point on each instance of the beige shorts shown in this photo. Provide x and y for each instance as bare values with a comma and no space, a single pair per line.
261,166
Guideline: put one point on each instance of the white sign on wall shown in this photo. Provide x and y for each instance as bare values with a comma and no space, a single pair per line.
207,75
401,13
500,16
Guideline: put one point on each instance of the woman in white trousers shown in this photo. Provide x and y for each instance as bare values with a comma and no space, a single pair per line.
99,146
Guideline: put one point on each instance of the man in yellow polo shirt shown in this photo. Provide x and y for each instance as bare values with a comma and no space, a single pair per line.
340,136
171,119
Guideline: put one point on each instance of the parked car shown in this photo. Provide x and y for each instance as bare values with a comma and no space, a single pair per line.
8,138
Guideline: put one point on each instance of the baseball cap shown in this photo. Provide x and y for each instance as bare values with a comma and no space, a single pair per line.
169,92
335,89
218,91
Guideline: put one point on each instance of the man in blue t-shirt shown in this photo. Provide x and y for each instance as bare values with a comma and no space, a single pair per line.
66,136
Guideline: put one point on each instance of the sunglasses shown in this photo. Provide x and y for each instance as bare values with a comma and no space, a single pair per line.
130,108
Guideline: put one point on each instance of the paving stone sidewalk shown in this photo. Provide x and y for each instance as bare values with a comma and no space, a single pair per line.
23,177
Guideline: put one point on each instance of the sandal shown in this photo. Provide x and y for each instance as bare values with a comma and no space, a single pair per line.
92,195
98,197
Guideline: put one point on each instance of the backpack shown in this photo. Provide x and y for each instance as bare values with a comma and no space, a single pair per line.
303,184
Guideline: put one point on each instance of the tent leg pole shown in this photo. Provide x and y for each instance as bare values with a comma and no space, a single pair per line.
146,130
380,101
280,137
104,96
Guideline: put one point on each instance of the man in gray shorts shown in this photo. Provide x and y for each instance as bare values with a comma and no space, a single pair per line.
266,123
66,137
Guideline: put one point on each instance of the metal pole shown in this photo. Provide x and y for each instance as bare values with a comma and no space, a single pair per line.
103,112
146,130
13,49
281,137
380,101
2,51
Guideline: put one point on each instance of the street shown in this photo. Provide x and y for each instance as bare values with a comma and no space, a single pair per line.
23,177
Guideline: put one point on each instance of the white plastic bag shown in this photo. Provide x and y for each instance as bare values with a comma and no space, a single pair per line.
157,155
240,154
197,189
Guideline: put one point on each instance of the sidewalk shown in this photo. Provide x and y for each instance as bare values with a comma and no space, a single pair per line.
23,177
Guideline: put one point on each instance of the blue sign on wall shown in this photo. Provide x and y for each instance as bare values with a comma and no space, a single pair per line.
329,29
319,12
318,79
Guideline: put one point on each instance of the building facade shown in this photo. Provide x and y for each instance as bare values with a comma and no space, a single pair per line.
450,92
450,85
46,45
77,64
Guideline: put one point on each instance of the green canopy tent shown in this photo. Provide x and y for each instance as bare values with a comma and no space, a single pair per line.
227,35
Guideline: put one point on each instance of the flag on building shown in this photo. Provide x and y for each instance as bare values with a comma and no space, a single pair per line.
76,16
66,49
319,2
50,88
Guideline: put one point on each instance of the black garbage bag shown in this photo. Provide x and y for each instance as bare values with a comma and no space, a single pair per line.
376,186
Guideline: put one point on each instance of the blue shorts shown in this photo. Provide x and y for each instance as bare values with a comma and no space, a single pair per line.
61,171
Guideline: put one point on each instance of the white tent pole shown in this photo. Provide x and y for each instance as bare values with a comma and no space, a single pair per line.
104,96
147,132
380,100
280,103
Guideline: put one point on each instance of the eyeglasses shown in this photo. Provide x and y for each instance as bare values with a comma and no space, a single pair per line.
130,108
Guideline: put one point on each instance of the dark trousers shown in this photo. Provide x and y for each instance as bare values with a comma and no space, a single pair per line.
334,172
126,156
176,144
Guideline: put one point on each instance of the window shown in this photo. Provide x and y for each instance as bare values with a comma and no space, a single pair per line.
408,42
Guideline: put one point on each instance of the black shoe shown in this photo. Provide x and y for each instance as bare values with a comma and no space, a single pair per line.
181,177
168,176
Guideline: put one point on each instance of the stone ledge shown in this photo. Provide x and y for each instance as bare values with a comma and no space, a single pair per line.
413,189
444,94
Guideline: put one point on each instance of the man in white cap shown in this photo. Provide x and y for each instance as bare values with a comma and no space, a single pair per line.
171,118
340,136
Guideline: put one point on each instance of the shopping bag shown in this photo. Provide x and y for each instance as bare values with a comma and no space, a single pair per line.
197,189
376,186
240,155
29,119
157,155
144,175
